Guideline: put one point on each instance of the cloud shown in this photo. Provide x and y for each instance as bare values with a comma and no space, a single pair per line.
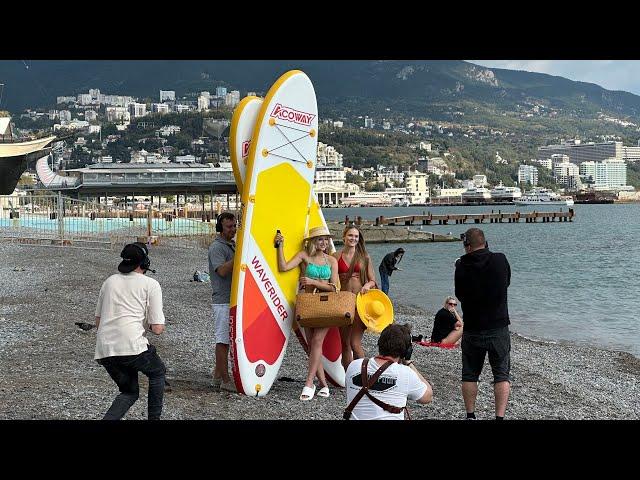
610,74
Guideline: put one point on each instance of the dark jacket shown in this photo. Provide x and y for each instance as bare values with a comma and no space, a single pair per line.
481,281
388,264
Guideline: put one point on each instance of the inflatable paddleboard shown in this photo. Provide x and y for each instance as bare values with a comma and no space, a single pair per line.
242,128
276,196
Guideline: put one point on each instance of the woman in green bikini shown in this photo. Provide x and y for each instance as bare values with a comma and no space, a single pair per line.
318,270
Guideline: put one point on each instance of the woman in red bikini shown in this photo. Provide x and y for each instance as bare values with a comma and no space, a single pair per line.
356,273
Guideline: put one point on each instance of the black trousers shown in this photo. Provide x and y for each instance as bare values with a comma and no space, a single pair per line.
124,371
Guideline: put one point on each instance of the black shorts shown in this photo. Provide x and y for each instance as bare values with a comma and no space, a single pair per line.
475,346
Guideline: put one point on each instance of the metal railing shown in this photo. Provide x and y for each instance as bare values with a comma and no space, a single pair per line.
56,220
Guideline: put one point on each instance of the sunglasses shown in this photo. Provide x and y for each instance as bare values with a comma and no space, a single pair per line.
452,304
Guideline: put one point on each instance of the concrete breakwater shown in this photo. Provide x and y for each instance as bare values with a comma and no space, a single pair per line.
387,234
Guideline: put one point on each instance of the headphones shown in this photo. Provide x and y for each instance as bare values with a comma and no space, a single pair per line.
146,261
466,243
219,223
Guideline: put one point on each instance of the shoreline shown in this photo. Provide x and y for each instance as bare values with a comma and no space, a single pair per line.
48,371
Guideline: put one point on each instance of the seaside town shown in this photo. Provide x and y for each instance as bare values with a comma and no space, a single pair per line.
99,123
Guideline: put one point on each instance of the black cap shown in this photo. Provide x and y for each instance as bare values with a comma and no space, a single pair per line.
133,256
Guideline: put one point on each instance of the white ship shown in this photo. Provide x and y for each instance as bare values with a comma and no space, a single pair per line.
475,194
367,199
543,197
500,192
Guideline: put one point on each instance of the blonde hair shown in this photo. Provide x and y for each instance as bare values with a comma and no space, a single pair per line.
360,255
310,245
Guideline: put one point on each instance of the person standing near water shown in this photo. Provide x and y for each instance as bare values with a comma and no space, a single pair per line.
481,282
387,267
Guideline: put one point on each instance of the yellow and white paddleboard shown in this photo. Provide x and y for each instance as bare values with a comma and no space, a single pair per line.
276,196
242,129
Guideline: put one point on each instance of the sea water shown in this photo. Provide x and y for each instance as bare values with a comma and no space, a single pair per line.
571,281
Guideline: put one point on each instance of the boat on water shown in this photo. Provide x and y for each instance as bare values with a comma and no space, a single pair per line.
368,199
543,197
16,153
476,194
502,193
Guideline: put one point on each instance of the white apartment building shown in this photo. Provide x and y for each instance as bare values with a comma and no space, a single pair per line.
203,103
388,177
567,174
137,110
65,99
608,174
95,93
424,146
169,95
117,114
368,122
65,115
546,163
117,100
94,129
416,185
161,108
179,108
232,98
105,159
528,174
84,99
221,92
338,124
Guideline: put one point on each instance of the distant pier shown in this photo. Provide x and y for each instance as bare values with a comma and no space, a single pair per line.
428,218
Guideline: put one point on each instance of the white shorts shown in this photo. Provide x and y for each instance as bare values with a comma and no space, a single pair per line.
221,322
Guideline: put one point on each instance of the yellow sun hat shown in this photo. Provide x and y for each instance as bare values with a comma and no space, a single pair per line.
375,310
320,231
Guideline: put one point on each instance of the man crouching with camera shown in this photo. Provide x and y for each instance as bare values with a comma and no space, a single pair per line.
378,387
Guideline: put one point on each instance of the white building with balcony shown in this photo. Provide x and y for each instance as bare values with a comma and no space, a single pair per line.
416,185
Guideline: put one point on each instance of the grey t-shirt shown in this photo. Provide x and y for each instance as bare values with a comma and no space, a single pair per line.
220,251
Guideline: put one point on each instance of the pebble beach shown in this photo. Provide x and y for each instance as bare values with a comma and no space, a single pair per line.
47,371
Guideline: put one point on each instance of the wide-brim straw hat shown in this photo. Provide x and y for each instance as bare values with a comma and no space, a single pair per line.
375,310
321,231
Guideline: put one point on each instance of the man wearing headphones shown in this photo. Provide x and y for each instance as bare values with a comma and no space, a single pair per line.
221,253
129,302
481,281
378,387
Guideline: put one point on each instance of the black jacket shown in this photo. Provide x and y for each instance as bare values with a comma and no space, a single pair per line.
481,281
388,264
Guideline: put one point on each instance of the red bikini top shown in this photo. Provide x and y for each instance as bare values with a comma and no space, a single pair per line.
344,268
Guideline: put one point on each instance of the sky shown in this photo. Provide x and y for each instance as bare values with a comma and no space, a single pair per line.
609,74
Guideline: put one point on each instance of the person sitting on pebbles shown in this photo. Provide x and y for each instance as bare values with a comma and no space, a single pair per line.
447,325
319,271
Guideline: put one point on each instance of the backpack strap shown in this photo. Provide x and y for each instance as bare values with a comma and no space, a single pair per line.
366,384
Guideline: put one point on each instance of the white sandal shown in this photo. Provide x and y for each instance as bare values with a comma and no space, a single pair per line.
323,392
307,392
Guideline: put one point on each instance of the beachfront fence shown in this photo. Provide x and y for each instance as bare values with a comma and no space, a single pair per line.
56,220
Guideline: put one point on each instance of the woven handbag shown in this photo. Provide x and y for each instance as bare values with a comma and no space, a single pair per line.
325,309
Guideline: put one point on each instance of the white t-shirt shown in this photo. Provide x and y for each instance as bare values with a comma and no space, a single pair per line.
126,304
395,385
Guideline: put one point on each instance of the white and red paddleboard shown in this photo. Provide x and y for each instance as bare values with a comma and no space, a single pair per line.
276,196
241,134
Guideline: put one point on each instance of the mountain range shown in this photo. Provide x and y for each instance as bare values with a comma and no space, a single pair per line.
412,87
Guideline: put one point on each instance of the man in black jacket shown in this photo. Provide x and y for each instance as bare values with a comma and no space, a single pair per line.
387,267
481,281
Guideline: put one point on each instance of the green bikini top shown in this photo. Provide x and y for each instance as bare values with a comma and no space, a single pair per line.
320,272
